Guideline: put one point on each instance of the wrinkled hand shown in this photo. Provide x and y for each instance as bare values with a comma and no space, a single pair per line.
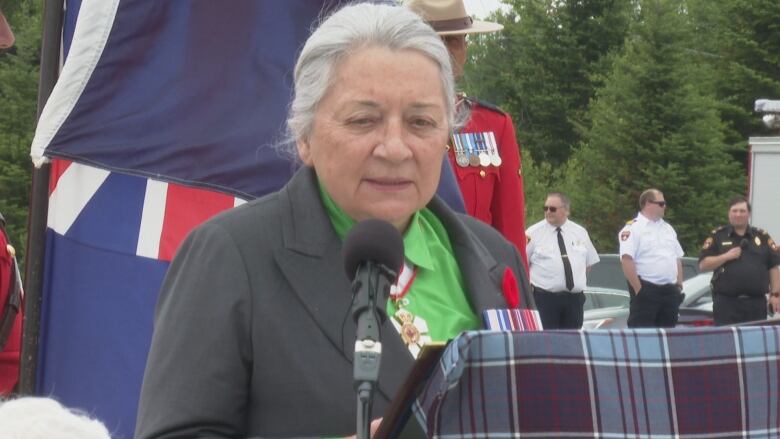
734,253
372,429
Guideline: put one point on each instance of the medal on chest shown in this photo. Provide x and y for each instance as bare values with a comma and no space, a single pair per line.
484,158
495,158
461,158
413,329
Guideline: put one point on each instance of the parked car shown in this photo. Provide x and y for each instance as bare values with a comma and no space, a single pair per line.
609,274
608,307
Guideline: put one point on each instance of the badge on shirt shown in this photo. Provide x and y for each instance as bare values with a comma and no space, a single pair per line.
624,235
757,241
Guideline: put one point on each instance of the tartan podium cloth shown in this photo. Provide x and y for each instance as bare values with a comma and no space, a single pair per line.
641,383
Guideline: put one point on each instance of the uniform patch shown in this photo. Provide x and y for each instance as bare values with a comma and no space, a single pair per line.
771,244
624,235
707,243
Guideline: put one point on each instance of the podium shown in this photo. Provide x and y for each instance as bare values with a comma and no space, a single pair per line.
686,382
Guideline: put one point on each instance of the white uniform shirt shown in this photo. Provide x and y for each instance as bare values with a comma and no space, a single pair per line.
654,247
544,255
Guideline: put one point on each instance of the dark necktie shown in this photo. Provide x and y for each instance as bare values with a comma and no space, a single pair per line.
566,263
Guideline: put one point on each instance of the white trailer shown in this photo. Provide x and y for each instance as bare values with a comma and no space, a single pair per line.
764,184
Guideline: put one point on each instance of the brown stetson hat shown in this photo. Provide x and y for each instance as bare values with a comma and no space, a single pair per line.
449,17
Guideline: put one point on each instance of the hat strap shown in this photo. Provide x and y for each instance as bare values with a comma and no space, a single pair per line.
451,25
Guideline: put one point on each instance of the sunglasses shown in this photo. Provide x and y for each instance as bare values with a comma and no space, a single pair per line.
552,209
659,203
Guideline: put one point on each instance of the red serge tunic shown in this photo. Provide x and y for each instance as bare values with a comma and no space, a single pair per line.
9,356
494,194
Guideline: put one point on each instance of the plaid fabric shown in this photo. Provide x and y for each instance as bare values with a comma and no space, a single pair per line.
512,319
642,383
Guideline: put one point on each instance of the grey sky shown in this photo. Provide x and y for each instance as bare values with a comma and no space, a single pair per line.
481,8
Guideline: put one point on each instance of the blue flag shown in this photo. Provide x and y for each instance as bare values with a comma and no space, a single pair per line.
165,113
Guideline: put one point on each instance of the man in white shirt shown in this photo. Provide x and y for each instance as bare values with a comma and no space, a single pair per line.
650,256
560,254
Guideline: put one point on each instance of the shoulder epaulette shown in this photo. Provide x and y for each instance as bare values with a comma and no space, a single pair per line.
718,229
760,231
488,105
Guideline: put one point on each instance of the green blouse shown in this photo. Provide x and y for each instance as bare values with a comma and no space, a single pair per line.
437,293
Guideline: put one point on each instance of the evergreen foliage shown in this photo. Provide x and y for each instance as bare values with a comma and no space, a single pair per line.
545,65
19,69
655,124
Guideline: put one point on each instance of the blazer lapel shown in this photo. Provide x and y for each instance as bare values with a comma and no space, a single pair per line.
481,272
311,261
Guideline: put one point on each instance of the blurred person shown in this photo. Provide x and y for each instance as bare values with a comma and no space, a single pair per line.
650,256
253,335
484,153
44,418
560,254
745,262
10,315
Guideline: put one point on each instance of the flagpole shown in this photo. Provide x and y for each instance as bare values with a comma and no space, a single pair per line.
53,13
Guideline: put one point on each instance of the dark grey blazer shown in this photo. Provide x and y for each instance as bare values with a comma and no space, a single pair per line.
253,335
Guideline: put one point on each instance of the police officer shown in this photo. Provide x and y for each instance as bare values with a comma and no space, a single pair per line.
560,253
745,263
650,256
484,154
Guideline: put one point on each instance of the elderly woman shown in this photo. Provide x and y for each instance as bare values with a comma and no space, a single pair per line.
253,335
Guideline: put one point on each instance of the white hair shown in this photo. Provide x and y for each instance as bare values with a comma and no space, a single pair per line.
44,418
347,30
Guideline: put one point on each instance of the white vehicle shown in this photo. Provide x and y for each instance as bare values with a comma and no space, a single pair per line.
764,172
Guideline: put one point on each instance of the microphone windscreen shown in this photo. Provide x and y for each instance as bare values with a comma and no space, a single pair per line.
744,243
372,240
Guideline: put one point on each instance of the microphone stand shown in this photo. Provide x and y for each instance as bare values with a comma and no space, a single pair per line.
370,285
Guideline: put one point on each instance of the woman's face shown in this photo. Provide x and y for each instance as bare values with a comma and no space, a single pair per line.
379,134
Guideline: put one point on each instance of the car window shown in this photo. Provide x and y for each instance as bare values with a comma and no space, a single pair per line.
697,290
614,301
598,299
609,274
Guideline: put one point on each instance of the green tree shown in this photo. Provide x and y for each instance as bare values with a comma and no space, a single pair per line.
654,124
741,41
545,66
18,94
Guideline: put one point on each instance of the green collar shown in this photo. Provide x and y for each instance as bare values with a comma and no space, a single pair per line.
415,243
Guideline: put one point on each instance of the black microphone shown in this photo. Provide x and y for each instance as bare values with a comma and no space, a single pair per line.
744,244
373,254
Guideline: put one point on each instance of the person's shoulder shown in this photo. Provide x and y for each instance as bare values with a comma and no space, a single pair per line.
759,231
577,227
535,227
481,103
631,223
241,222
719,230
249,211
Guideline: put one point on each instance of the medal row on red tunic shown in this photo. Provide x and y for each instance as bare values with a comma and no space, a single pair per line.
476,149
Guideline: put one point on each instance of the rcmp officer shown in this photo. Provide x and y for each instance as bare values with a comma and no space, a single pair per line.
650,256
559,254
745,264
484,154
